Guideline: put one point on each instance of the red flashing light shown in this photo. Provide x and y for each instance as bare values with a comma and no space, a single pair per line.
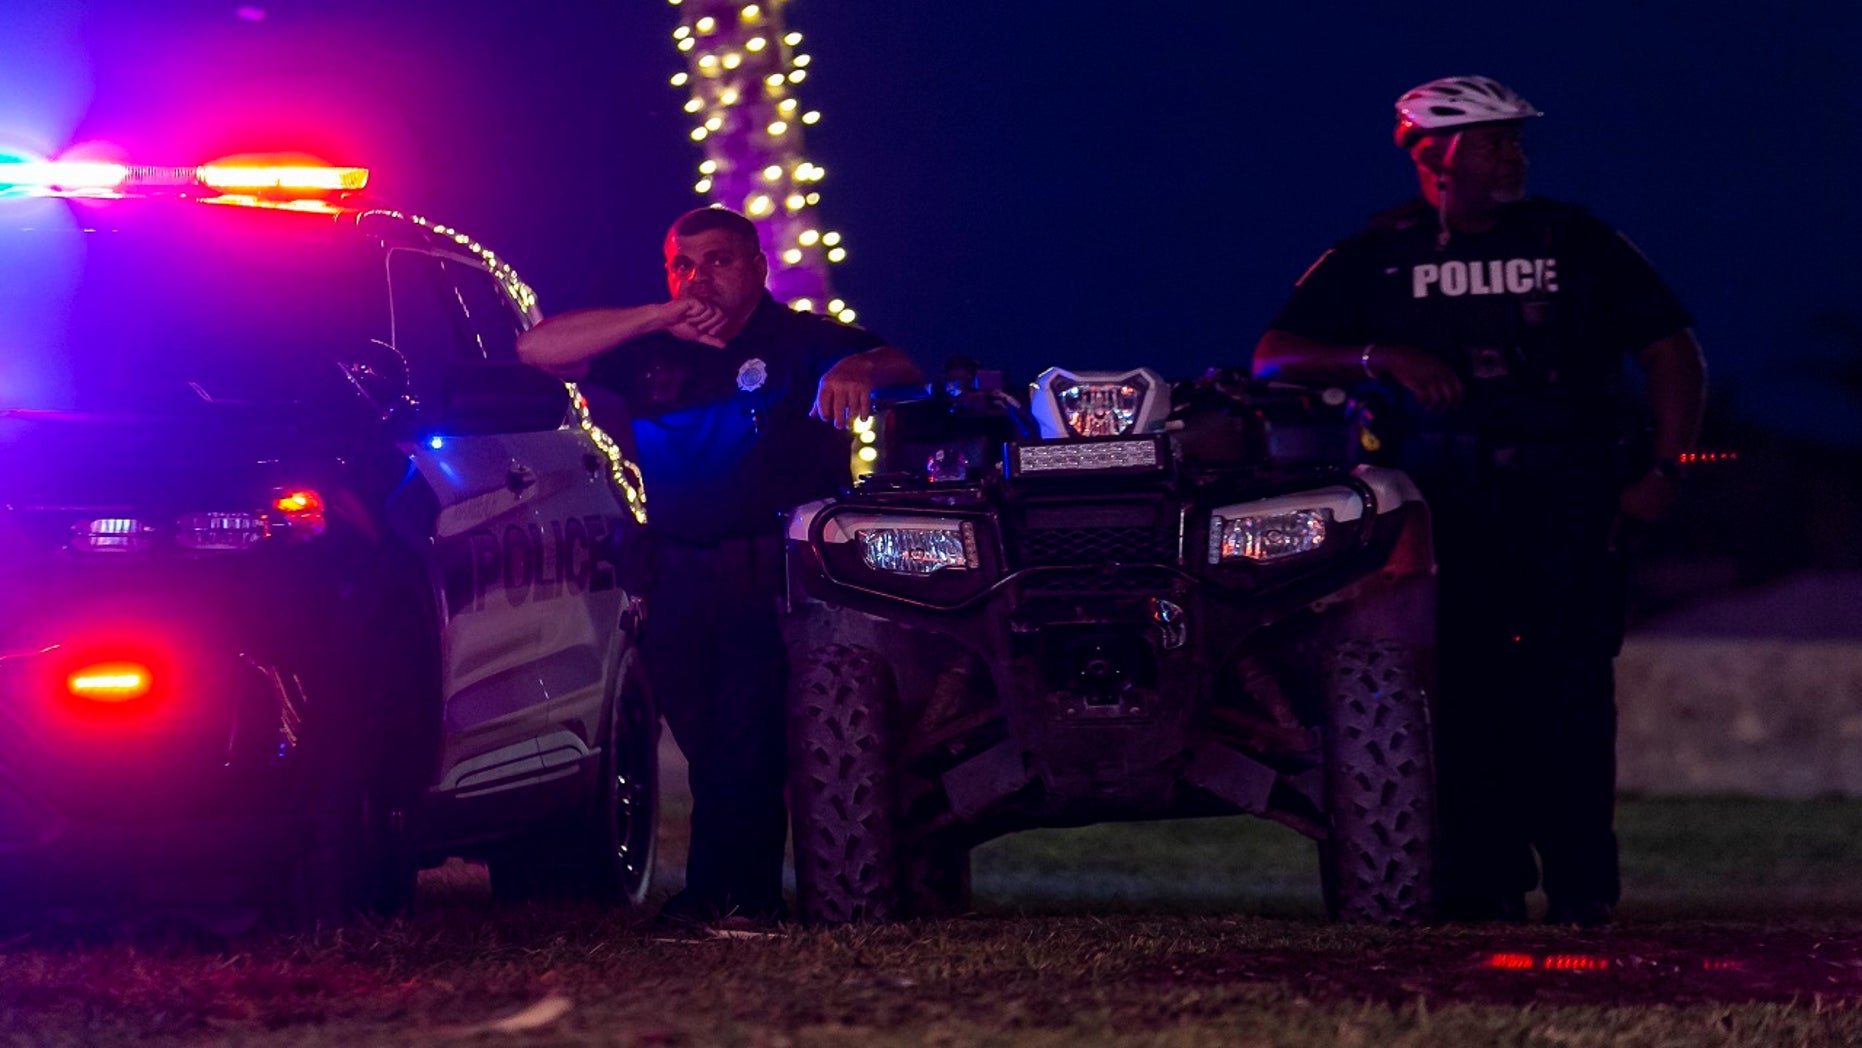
1511,961
1554,962
1575,962
300,177
110,682
253,174
1696,458
310,206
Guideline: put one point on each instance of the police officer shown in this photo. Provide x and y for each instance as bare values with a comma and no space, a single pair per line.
734,400
1497,323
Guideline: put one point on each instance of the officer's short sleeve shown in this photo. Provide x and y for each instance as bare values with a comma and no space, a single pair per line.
1330,302
829,341
1638,307
608,370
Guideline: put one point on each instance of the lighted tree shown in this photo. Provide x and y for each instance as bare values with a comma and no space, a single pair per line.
742,70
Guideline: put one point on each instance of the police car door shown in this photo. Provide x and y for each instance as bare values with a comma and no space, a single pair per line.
493,699
564,578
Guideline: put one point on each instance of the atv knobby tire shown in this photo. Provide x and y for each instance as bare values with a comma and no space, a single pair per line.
1378,866
843,786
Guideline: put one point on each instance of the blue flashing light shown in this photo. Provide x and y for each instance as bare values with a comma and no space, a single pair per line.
436,443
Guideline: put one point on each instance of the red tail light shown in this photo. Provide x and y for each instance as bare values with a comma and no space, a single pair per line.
303,510
110,682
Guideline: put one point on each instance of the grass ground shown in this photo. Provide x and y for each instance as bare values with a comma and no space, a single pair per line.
1742,926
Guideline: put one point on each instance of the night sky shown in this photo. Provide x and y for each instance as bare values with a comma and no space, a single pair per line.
1104,184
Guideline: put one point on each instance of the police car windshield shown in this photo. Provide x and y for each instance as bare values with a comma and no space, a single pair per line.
107,312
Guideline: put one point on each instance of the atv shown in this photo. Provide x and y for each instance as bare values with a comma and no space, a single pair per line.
1122,599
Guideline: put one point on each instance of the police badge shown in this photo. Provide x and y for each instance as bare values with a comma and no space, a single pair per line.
752,374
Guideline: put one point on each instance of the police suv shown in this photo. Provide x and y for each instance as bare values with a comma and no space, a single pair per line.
304,580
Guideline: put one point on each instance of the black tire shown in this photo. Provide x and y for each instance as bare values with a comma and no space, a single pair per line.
843,786
362,690
604,853
357,862
937,880
1378,867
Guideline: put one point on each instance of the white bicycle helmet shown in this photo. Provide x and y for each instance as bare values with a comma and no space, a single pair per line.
1456,102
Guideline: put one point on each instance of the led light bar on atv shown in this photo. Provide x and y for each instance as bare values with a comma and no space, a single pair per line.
1081,456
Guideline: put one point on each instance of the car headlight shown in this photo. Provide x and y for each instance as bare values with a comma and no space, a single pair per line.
907,545
1098,403
1285,526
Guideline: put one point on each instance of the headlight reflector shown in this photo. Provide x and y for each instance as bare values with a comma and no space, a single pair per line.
1098,403
1277,528
1101,409
1270,537
917,551
907,545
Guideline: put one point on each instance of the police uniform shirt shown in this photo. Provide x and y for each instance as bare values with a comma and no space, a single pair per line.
1534,315
724,437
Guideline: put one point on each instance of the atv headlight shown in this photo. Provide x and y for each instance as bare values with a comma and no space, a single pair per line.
1281,527
1098,403
907,545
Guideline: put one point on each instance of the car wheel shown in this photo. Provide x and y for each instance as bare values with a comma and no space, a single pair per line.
843,786
1378,865
605,851
357,861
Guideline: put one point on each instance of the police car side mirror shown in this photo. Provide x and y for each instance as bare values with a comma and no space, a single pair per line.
480,399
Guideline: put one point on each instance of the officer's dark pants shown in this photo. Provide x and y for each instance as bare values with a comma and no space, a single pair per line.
1530,622
715,655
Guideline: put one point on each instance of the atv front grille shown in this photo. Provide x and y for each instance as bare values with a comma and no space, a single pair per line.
1124,545
1095,580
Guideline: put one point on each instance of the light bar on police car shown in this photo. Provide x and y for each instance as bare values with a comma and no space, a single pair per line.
1277,528
907,544
1080,457
257,177
62,174
1098,403
298,176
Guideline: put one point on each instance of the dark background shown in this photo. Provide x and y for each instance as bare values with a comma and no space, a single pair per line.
1034,183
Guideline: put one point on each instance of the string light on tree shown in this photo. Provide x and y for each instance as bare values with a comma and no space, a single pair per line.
741,73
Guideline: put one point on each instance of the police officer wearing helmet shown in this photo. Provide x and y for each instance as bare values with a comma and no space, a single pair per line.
1494,325
734,399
